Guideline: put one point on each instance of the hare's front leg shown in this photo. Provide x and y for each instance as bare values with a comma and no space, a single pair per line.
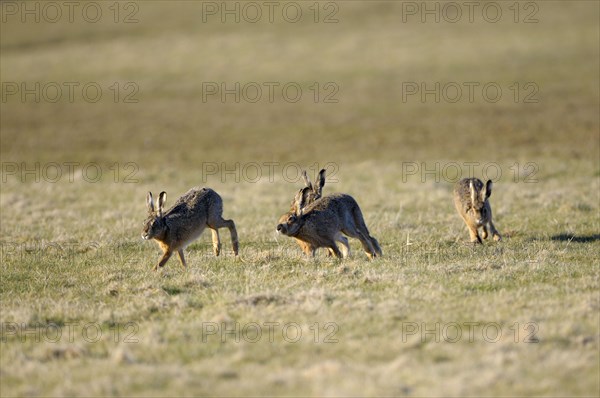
307,248
166,256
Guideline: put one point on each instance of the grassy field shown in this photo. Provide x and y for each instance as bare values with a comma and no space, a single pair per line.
83,314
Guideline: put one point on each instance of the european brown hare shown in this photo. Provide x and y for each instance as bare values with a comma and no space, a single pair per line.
185,221
313,193
471,202
323,223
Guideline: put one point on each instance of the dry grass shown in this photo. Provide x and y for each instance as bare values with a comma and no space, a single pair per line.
72,256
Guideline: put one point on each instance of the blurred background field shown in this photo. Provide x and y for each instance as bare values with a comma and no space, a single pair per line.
71,250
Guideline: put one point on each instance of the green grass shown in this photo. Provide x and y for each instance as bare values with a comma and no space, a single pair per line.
72,256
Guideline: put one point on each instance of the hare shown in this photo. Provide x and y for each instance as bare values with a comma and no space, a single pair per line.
471,202
184,222
313,193
322,223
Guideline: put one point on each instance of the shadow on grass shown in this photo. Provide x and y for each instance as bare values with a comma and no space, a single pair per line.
575,238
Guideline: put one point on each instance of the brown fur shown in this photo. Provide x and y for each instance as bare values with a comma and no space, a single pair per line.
323,222
185,221
471,202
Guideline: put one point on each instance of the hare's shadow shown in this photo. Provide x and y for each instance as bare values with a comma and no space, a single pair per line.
564,237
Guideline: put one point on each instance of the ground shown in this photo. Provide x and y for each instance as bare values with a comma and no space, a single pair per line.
143,107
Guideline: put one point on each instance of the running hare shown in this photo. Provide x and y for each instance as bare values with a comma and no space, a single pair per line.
313,193
184,222
471,202
322,223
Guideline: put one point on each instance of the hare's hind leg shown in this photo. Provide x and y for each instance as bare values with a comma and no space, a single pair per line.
333,248
182,258
474,234
376,246
345,245
364,240
360,231
216,241
218,222
367,245
495,234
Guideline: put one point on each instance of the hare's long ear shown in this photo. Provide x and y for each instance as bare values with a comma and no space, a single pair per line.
487,191
320,182
150,202
162,198
301,200
306,179
298,201
473,193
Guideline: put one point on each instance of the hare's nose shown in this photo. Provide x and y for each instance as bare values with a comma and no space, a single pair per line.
279,228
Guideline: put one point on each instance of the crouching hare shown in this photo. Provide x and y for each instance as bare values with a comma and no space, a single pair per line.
185,221
322,223
471,202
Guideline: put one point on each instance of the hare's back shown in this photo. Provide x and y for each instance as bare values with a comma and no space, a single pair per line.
196,200
333,201
462,188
